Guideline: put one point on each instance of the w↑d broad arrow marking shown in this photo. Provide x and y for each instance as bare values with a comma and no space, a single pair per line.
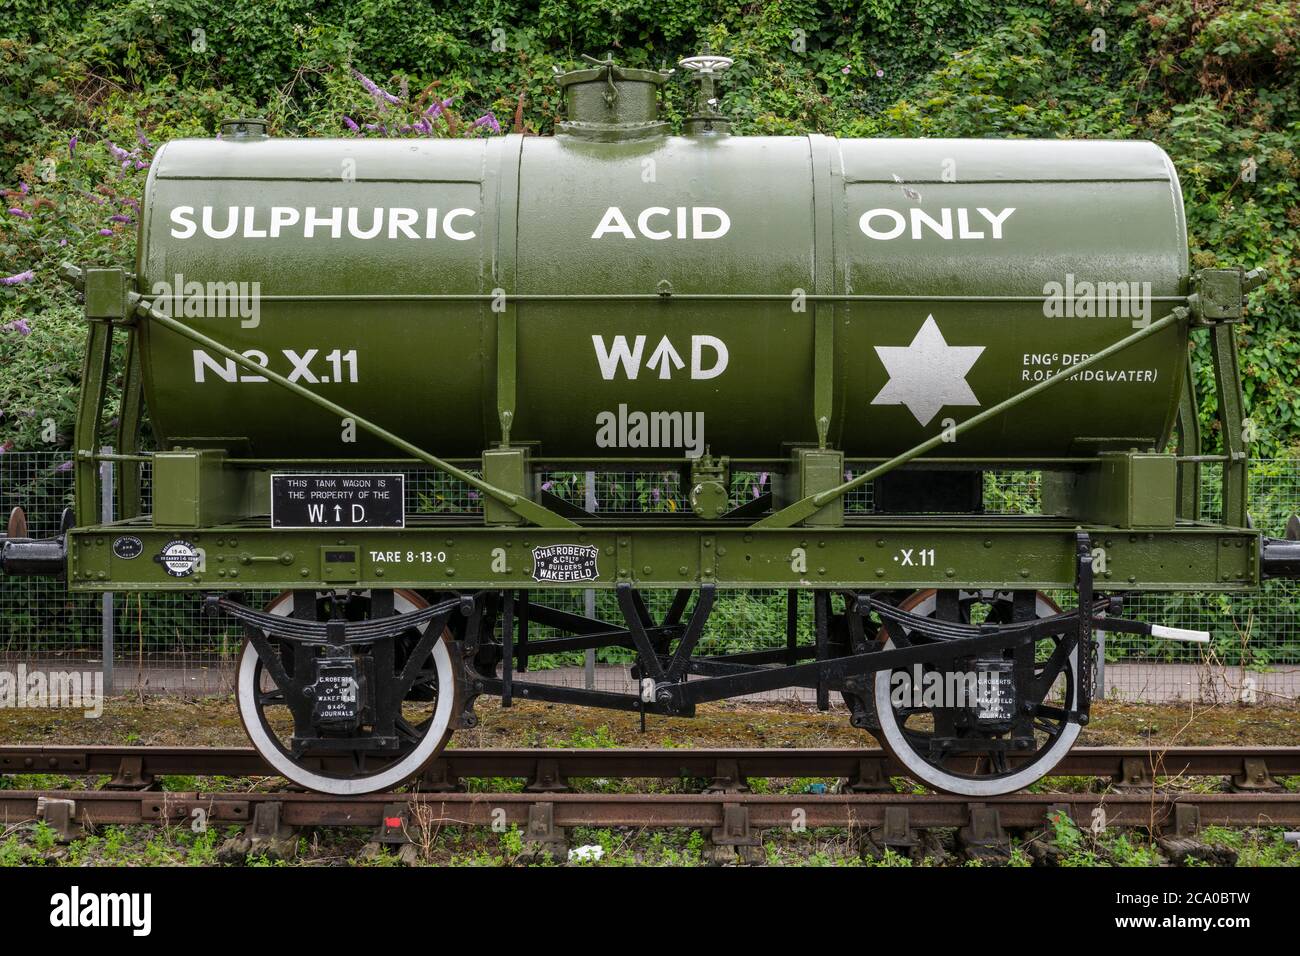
928,374
666,357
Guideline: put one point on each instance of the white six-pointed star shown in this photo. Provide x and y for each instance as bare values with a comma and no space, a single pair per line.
928,374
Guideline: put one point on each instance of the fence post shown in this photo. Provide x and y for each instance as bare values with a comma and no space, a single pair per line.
106,613
589,596
1100,669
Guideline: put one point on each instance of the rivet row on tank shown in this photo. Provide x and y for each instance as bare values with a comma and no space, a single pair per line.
646,570
880,572
379,572
682,570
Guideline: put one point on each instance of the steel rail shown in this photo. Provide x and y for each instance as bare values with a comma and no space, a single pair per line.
1015,811
546,767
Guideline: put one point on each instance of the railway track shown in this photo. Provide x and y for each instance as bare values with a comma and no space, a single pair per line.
547,770
1156,809
731,813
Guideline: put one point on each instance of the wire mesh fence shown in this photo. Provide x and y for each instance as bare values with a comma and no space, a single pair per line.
162,643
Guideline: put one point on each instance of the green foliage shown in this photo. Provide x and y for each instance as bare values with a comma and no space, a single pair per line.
1214,82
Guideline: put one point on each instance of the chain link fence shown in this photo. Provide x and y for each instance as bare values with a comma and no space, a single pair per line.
161,643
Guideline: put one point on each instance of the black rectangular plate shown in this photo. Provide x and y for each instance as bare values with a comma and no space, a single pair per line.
361,500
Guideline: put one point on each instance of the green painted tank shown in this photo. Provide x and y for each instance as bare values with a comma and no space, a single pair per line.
662,293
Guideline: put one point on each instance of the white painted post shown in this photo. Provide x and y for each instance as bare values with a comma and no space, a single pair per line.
106,612
589,596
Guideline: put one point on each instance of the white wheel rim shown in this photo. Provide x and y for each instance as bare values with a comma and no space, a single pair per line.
938,778
391,776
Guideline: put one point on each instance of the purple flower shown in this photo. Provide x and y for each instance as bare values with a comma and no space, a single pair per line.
762,480
547,485
120,218
128,201
18,325
880,73
63,242
106,232
473,496
121,155
845,71
27,276
654,493
438,106
72,147
351,124
141,164
380,94
66,466
23,186
20,213
144,141
488,120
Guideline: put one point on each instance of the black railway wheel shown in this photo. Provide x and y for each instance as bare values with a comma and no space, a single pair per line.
425,723
978,768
